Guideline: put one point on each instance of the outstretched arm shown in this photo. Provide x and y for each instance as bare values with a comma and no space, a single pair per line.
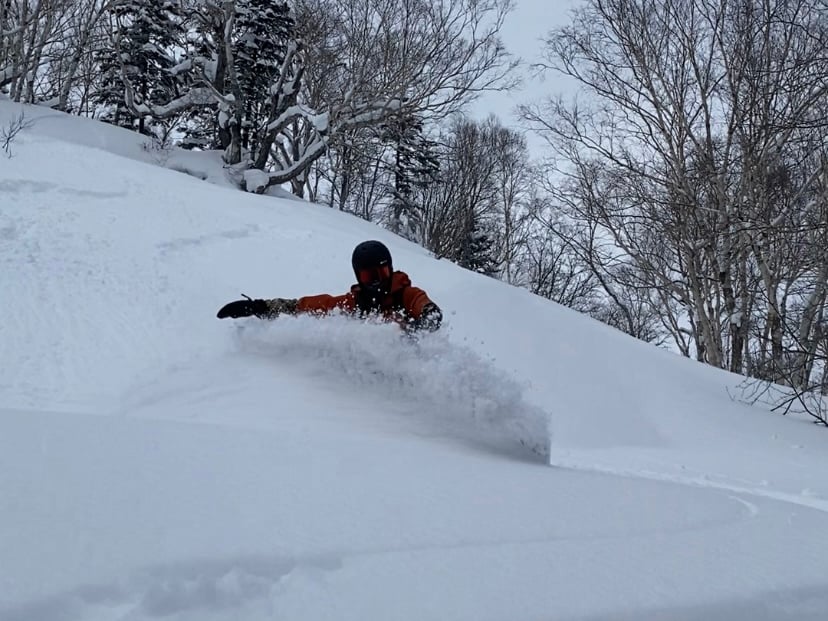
323,304
270,309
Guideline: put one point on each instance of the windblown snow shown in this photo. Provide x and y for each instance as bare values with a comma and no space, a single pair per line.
525,462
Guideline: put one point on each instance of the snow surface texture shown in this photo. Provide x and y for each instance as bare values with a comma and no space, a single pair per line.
156,462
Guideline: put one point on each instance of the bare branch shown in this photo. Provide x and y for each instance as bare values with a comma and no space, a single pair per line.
12,130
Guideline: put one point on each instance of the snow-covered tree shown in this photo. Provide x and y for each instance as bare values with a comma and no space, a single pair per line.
263,31
241,50
243,69
145,34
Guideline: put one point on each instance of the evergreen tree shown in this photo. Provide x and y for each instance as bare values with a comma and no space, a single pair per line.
146,32
477,252
199,125
261,31
110,90
414,166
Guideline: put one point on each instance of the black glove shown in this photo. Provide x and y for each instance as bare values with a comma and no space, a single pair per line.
430,319
243,308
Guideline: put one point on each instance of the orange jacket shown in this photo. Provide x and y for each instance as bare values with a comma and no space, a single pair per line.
405,302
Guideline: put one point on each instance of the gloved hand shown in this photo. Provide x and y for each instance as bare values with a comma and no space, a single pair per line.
430,319
243,308
263,309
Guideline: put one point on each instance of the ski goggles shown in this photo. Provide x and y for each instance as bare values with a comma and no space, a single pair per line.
370,275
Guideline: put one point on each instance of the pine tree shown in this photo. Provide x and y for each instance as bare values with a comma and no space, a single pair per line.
146,33
261,33
414,166
263,29
110,90
477,252
199,125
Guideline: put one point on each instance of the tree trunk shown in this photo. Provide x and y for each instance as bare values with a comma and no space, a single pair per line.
85,28
808,326
233,151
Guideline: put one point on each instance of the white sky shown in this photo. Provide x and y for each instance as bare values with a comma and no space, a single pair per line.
523,32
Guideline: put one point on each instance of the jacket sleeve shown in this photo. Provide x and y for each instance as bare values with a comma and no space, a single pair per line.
414,301
324,303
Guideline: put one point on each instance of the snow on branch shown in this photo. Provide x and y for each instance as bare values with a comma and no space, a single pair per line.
258,180
198,96
182,67
352,117
195,97
291,113
325,124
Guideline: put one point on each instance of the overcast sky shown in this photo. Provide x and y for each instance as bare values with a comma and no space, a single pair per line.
522,34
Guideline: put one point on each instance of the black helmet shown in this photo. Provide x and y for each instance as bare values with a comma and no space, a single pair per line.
372,265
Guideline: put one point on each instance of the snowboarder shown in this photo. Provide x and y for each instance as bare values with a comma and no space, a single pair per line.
379,291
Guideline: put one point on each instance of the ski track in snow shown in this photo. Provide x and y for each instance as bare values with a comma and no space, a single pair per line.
708,481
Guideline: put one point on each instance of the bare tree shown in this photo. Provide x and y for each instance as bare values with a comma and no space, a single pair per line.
82,32
548,266
27,30
462,199
513,179
681,158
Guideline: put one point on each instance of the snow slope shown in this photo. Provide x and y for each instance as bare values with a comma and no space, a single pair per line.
156,462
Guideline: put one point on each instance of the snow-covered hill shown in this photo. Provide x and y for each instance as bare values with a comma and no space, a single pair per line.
156,462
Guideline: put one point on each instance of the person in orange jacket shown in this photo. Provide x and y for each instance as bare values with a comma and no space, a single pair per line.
379,290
